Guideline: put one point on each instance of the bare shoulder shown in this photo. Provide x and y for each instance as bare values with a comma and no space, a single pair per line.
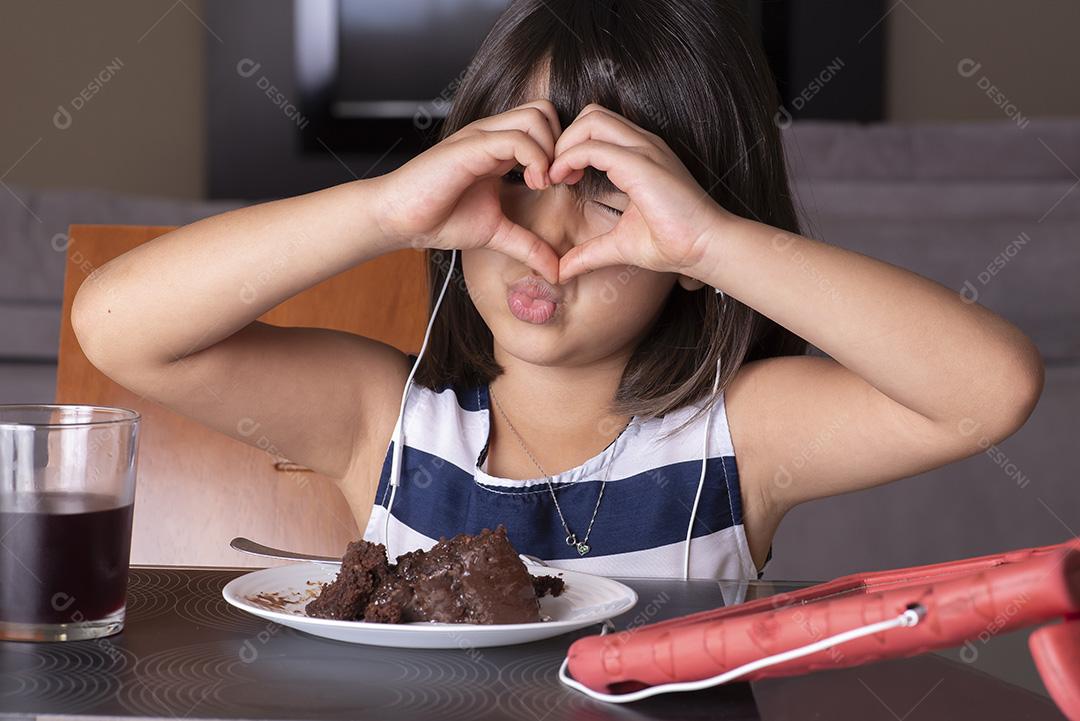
744,424
758,397
762,390
769,397
382,402
806,427
322,396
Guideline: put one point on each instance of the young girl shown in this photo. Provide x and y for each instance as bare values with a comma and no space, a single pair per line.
621,303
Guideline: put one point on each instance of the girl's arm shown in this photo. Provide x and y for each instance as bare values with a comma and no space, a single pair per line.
918,376
174,320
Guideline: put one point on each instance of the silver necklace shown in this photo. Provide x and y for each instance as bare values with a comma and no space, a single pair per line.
571,537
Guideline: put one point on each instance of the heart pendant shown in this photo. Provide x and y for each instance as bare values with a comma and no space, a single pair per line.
582,549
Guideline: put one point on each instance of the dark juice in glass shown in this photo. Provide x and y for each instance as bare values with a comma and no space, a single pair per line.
63,557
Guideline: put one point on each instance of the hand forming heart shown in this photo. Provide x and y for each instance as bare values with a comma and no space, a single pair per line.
665,227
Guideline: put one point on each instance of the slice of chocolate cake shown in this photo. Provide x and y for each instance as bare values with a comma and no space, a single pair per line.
363,569
467,579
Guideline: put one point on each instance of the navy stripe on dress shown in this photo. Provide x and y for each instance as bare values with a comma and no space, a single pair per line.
438,498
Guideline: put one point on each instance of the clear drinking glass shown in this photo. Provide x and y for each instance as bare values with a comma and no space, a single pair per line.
67,488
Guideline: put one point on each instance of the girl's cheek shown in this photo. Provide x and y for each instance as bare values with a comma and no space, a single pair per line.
632,290
613,288
481,271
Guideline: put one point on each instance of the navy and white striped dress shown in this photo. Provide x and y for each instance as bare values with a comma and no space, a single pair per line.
640,527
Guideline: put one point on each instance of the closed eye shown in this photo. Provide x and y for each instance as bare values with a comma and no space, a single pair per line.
608,209
516,176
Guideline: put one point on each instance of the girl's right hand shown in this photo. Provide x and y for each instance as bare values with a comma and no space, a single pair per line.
448,196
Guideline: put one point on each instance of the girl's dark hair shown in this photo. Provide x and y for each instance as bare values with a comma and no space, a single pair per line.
690,71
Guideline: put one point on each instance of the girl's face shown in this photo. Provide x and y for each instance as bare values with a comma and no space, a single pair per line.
599,314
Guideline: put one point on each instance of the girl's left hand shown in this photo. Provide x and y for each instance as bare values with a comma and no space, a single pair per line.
666,226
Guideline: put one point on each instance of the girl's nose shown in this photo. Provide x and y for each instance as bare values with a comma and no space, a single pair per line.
551,214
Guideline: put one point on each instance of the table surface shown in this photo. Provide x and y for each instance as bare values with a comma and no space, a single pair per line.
186,653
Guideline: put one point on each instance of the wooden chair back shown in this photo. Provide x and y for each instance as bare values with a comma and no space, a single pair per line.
196,488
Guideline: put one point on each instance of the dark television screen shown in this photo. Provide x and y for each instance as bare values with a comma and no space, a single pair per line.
396,56
377,76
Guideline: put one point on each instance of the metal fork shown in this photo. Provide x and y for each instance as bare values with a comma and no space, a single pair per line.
246,545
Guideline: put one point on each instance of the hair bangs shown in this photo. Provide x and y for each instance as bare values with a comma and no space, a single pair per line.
689,71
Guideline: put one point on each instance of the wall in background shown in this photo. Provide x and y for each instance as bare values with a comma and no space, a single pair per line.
142,129
129,76
972,59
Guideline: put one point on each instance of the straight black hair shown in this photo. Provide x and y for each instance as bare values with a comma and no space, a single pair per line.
690,71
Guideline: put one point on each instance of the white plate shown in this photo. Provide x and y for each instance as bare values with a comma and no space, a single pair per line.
587,599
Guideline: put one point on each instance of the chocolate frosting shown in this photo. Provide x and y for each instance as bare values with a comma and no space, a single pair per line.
467,579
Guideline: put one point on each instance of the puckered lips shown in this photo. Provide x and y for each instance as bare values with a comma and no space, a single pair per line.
533,300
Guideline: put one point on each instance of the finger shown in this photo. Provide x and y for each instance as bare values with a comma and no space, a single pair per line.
532,118
550,114
649,135
538,113
538,119
573,177
525,246
492,153
598,252
624,166
600,124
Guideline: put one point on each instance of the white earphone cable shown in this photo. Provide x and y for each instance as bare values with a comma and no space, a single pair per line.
908,618
398,434
704,460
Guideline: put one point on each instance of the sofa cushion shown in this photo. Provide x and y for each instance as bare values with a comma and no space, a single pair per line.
1018,493
34,245
27,382
1045,148
34,226
31,330
1010,246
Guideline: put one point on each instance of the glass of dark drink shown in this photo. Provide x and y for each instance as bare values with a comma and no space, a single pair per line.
67,489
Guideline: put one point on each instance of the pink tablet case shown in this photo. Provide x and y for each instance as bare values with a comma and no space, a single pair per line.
967,600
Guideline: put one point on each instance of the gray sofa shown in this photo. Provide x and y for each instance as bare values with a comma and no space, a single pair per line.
33,247
985,207
993,211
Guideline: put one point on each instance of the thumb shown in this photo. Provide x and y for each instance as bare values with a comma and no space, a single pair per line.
595,253
522,244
